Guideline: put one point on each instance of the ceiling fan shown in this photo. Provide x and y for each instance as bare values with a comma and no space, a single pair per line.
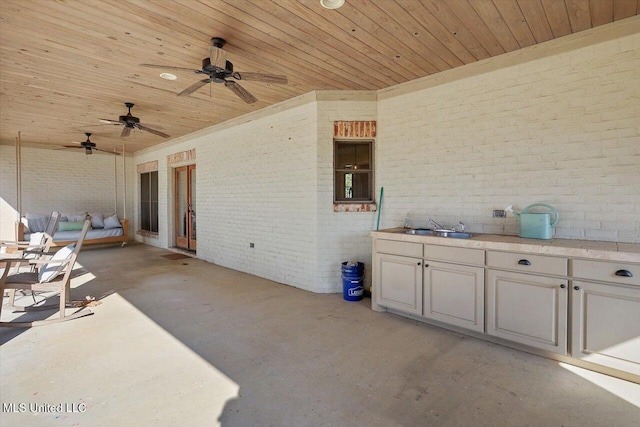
89,146
131,122
219,70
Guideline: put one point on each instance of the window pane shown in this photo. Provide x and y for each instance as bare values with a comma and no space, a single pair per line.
352,186
153,222
144,187
144,215
345,155
363,158
154,186
361,186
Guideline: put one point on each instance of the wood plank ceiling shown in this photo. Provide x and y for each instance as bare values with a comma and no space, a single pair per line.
66,63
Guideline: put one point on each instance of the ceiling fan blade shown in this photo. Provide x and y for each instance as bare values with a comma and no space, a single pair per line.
259,77
241,92
72,146
109,122
146,128
169,67
218,57
194,87
126,131
106,151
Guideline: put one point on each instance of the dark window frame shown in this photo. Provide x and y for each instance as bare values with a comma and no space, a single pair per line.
337,171
149,202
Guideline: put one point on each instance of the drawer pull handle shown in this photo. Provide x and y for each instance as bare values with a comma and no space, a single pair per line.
524,262
562,286
426,265
419,263
577,288
624,273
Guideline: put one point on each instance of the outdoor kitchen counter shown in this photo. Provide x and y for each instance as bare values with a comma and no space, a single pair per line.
589,249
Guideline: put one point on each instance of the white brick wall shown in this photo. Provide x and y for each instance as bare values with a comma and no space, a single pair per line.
342,236
562,130
255,183
63,180
268,181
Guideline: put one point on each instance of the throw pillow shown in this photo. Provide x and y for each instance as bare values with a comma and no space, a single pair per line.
97,221
112,222
76,217
70,226
55,267
37,222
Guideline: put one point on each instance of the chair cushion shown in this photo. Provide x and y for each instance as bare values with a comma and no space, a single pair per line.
35,241
37,222
70,226
112,222
97,221
52,269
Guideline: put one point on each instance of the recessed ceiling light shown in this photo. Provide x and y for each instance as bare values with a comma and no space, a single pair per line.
168,76
331,4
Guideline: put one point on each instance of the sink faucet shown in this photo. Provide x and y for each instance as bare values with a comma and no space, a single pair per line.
438,226
460,226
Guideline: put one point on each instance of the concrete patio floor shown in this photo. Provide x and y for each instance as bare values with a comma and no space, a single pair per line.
188,343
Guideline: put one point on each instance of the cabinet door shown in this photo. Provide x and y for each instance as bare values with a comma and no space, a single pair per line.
605,325
528,309
399,283
454,294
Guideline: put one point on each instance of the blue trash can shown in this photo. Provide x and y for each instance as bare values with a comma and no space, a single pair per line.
352,281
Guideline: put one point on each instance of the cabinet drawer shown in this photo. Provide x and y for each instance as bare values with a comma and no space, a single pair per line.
527,263
399,248
453,254
606,271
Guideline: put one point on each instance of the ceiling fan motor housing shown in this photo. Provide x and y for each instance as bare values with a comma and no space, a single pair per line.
129,120
217,74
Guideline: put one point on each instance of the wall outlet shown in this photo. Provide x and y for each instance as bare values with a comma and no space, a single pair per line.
498,213
251,245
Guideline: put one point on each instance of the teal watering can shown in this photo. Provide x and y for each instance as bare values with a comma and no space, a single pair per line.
536,225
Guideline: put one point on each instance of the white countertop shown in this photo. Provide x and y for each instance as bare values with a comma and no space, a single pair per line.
591,249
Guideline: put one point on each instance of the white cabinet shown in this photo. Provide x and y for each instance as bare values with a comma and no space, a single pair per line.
454,286
605,318
587,309
398,282
454,294
528,309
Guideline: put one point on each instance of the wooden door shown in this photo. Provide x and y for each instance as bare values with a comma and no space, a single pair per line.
185,203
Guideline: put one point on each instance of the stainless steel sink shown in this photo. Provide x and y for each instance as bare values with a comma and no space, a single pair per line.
419,232
438,233
453,234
